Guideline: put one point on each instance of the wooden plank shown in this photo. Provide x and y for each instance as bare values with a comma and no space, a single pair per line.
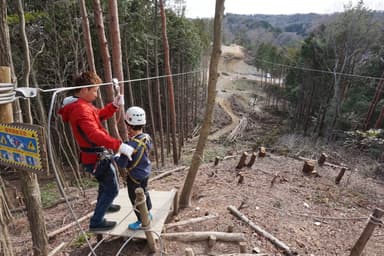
162,202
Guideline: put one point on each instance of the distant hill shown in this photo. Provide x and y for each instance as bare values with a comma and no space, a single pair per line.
281,30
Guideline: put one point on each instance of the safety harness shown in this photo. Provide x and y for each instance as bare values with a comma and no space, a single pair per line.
141,143
93,149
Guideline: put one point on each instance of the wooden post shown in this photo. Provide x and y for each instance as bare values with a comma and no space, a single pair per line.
340,176
309,167
141,205
322,159
242,160
252,161
374,220
262,152
6,115
176,203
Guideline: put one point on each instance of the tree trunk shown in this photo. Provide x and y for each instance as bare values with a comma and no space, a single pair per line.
185,197
31,193
375,101
150,104
106,63
87,36
158,91
169,82
25,103
379,122
117,62
5,244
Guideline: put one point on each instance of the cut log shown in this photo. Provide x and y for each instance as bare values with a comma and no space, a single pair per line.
309,167
322,159
262,152
261,231
238,131
167,173
58,231
326,163
57,249
201,236
241,163
228,157
190,221
252,160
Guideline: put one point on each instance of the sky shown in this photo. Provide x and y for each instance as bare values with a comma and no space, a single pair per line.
206,8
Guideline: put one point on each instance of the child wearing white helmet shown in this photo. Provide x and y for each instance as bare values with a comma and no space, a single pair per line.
138,165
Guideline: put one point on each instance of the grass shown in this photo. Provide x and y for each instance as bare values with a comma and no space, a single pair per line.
49,194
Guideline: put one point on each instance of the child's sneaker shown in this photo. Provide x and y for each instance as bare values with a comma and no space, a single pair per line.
135,225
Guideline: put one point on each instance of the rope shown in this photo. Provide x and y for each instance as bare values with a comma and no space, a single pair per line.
60,185
321,70
63,89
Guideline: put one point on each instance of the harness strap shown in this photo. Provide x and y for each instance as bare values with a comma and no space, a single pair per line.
92,150
140,143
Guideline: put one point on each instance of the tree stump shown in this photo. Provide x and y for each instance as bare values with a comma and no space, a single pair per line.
217,159
211,241
189,252
252,160
241,163
262,152
340,176
243,247
241,178
322,159
309,167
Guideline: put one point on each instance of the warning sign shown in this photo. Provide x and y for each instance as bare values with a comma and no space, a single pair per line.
23,146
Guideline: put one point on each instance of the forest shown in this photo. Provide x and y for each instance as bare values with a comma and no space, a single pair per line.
313,79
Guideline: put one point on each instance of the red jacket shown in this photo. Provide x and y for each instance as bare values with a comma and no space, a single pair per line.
85,120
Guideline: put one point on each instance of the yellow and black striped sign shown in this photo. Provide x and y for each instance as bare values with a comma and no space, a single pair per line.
23,146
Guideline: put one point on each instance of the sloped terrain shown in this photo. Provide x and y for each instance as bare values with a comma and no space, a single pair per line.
310,214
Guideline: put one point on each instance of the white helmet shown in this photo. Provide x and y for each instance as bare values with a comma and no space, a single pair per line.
135,116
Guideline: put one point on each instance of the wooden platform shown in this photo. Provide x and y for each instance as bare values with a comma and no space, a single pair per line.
162,204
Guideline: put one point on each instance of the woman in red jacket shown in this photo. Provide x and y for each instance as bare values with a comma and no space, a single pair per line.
85,121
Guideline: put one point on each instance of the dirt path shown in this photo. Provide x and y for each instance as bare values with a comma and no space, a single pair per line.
232,68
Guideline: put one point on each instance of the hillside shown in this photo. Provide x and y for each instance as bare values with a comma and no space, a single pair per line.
281,30
310,214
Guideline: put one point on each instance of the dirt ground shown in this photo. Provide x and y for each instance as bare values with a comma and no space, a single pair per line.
309,214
